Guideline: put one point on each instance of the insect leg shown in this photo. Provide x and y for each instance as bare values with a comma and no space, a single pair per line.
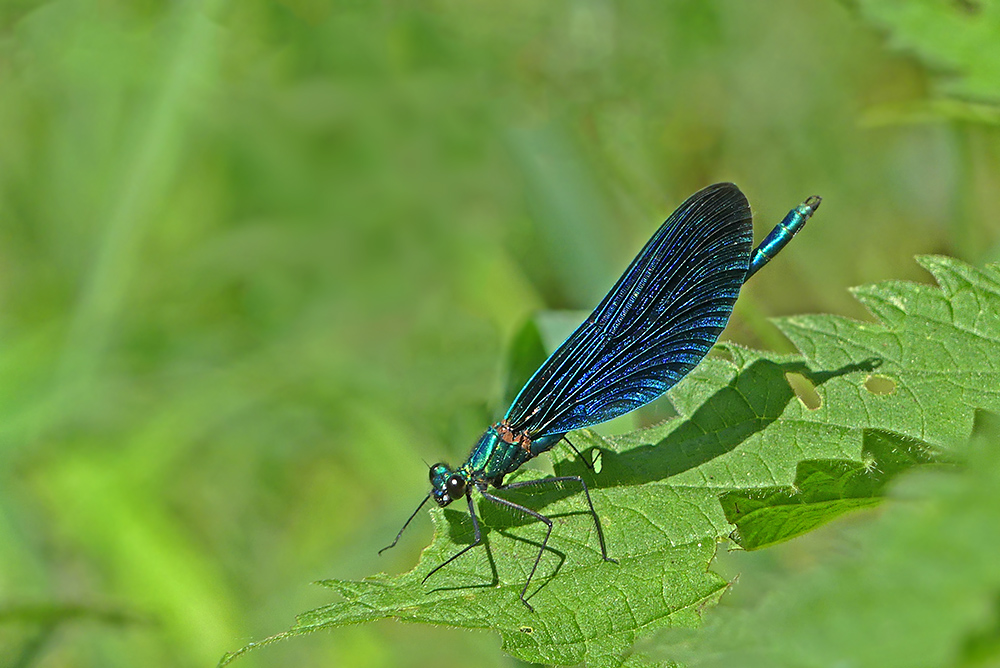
405,524
477,541
571,478
578,455
538,516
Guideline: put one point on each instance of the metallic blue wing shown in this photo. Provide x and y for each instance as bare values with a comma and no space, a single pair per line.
659,320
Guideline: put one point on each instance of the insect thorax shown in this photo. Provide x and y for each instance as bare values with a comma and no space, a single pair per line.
502,450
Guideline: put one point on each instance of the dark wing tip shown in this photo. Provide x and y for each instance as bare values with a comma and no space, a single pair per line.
724,191
722,185
720,204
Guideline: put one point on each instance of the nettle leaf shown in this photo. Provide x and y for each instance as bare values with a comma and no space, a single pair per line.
919,585
883,397
823,490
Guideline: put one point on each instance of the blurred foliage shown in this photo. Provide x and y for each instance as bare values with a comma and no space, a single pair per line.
956,39
258,259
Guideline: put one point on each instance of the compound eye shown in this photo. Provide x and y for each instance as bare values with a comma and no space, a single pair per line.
439,470
456,486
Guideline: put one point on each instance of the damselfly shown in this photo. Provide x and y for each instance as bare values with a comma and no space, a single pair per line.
655,325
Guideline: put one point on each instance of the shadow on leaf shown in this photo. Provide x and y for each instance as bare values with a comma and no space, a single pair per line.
756,397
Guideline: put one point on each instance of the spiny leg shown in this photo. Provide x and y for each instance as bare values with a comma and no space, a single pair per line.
586,492
538,516
578,455
478,539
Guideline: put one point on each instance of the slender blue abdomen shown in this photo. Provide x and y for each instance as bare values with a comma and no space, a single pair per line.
782,233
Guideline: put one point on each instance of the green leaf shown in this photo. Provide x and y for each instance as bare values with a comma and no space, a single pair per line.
741,431
525,354
919,586
957,39
822,491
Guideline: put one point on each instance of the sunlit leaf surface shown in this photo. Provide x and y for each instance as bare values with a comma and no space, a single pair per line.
743,436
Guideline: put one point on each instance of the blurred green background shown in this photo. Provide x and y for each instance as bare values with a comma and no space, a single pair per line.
260,260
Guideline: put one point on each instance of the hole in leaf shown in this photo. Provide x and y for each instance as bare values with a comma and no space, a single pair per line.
880,385
722,352
804,390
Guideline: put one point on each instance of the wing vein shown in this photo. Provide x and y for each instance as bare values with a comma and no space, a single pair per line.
657,322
